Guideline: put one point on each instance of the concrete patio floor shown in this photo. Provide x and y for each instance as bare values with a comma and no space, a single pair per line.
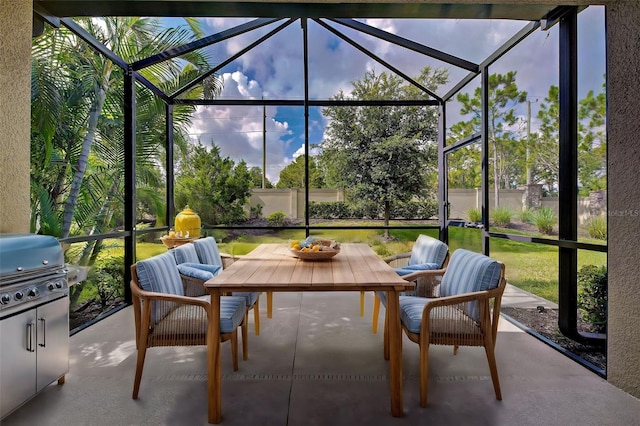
316,362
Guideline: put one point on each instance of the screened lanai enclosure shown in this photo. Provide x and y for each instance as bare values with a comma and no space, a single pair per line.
376,130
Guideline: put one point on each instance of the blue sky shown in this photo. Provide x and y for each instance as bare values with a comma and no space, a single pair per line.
273,70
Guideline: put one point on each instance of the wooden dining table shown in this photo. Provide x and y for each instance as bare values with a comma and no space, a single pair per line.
274,268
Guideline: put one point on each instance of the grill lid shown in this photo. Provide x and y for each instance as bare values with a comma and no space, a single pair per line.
28,253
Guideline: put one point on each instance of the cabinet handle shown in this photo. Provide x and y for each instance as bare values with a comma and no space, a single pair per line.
30,347
43,321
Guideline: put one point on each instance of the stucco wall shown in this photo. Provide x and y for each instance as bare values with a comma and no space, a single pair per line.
290,201
15,112
623,79
461,200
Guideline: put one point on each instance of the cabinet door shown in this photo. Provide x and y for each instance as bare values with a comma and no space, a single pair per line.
17,360
53,341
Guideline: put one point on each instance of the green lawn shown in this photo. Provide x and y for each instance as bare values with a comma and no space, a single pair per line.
530,266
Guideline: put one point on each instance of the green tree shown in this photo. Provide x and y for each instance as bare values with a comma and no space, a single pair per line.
77,140
383,154
463,165
256,178
73,82
544,152
592,146
504,151
592,142
292,176
213,186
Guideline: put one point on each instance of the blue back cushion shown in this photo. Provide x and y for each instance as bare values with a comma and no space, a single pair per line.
186,253
428,250
198,270
468,272
160,274
207,251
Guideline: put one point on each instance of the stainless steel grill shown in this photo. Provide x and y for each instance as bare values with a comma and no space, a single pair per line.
34,317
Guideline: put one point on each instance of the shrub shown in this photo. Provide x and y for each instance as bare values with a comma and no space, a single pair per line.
147,237
544,219
420,210
528,216
382,251
277,218
501,216
369,210
365,210
592,296
107,275
474,214
255,212
597,227
329,210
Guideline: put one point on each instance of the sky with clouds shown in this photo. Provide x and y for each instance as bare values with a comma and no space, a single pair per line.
274,70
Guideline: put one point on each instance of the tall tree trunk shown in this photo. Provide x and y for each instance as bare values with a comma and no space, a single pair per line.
496,177
92,248
83,159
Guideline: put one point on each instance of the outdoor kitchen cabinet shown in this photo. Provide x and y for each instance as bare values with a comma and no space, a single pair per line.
34,352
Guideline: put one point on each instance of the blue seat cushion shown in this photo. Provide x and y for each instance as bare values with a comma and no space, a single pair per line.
183,321
250,297
199,271
232,311
411,308
409,269
382,295
442,321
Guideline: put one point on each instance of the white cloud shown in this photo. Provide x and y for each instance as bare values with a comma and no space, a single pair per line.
274,70
238,130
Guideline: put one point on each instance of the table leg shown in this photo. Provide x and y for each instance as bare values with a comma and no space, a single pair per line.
214,369
269,304
395,358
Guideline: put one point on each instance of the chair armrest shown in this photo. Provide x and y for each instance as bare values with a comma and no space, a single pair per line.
458,299
228,259
426,273
487,323
399,256
152,295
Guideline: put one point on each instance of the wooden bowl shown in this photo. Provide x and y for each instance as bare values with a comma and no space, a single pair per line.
174,242
314,255
328,249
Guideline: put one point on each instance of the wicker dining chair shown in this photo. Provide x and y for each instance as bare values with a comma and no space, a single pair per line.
209,254
165,316
192,269
427,253
461,315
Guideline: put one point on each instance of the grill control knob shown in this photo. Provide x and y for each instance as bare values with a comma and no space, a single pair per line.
58,284
19,295
4,299
51,286
33,292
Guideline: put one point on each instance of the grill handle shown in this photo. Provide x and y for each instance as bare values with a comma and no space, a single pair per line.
43,321
30,331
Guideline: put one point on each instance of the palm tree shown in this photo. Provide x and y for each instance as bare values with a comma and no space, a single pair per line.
77,98
77,122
